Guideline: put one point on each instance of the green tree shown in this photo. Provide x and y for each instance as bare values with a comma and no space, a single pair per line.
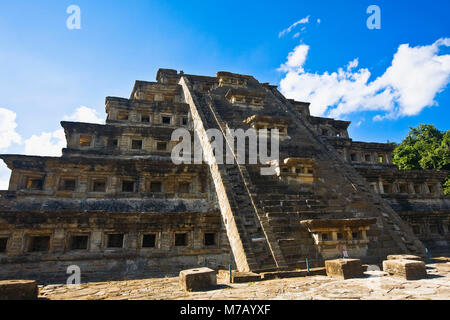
425,147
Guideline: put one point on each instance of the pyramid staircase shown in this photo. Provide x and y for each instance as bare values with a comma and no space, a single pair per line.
395,228
262,215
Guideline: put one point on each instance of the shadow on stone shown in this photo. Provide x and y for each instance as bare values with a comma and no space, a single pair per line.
434,276
18,290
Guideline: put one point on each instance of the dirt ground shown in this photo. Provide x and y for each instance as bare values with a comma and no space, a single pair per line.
375,285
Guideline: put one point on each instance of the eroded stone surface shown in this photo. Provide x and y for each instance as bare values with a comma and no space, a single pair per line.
18,290
404,257
407,269
344,268
198,279
292,274
241,277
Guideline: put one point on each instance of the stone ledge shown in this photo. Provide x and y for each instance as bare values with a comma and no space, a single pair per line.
292,274
404,257
241,277
237,277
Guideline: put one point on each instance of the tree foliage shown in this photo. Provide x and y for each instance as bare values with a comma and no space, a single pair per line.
425,147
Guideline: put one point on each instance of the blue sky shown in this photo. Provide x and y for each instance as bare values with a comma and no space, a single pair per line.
47,72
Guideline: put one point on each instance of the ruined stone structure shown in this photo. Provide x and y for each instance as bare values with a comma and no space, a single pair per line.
117,206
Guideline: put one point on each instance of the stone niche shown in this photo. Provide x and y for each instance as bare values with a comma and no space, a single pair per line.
232,79
297,170
153,91
204,86
259,122
168,76
245,98
333,236
329,127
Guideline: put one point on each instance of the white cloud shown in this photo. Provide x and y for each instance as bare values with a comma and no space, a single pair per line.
409,85
85,114
319,21
358,124
353,64
287,30
4,176
51,143
8,134
46,144
295,60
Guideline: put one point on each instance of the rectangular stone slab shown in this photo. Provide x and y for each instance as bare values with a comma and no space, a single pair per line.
344,268
406,269
198,279
293,274
241,277
18,290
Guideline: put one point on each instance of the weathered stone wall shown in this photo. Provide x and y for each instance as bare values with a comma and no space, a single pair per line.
98,260
112,171
110,268
417,196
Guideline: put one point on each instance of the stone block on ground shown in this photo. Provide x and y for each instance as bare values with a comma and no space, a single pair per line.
198,279
241,277
292,273
344,268
283,274
18,290
406,269
404,257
